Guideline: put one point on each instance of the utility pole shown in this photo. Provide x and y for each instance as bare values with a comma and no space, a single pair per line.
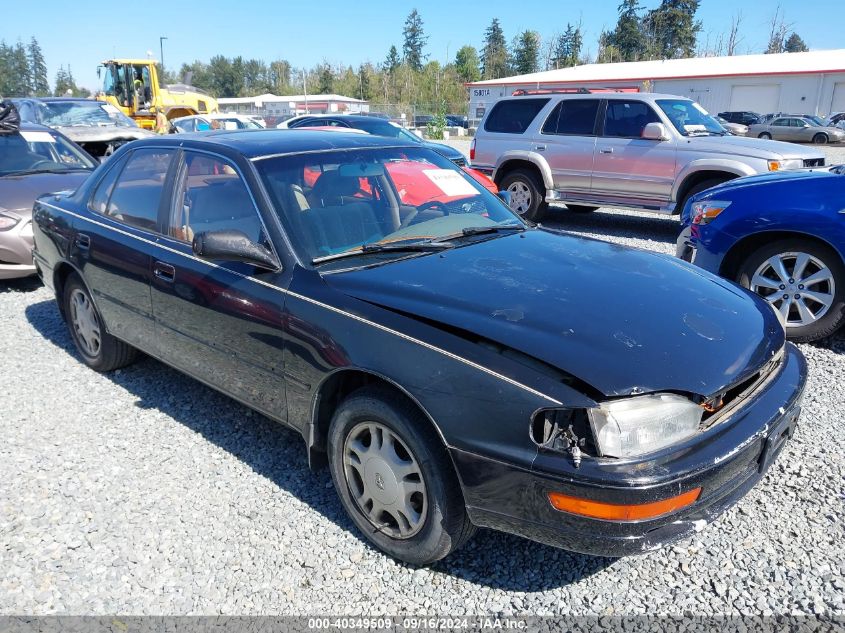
305,89
161,49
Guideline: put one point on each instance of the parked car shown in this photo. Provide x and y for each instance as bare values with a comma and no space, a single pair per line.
782,236
422,120
457,120
633,150
34,160
744,117
798,129
374,125
737,129
202,122
99,128
837,119
767,118
426,351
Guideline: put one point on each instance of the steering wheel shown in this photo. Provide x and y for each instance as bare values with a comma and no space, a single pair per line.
44,161
431,204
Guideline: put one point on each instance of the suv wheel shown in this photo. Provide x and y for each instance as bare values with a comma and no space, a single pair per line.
765,135
528,195
804,281
697,188
395,479
820,139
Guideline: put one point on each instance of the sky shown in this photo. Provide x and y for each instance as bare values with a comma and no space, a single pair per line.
82,33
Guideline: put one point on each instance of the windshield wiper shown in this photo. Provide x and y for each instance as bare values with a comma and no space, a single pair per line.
426,246
482,230
29,172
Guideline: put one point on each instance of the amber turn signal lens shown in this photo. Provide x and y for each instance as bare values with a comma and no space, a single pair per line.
622,512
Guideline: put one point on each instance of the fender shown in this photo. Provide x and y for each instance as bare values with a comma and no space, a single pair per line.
725,165
531,157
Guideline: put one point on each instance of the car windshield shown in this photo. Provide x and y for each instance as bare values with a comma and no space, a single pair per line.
82,113
814,121
378,200
37,151
386,128
689,118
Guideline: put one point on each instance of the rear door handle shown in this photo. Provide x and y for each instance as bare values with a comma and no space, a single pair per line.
606,150
165,272
83,241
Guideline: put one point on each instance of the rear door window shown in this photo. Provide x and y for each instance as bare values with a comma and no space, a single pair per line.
573,117
136,197
514,115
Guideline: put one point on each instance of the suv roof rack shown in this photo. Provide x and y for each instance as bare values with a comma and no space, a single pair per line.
522,92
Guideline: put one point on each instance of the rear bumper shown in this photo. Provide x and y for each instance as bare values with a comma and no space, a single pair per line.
725,463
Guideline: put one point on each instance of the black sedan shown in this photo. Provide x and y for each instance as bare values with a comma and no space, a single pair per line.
379,127
454,365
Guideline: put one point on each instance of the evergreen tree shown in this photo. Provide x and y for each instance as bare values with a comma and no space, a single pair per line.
415,40
494,54
794,44
626,42
672,29
526,53
392,62
364,91
64,82
38,84
325,79
14,71
466,64
5,73
567,48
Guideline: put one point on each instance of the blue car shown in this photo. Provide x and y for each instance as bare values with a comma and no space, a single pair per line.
781,235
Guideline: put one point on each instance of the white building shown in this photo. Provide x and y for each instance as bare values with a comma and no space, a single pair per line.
282,107
797,83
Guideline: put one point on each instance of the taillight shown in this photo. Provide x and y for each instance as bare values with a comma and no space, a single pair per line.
472,150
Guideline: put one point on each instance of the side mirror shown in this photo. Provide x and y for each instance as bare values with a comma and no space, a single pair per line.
505,196
233,246
655,132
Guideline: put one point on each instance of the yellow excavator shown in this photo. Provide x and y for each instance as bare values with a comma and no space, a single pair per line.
132,86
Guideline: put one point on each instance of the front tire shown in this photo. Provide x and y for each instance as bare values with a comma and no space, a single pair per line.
697,188
765,135
98,349
804,281
528,195
394,478
820,139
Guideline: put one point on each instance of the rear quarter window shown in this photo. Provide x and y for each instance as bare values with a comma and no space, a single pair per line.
514,115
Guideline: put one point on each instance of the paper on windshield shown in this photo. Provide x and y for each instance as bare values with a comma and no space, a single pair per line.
110,109
31,136
451,183
697,127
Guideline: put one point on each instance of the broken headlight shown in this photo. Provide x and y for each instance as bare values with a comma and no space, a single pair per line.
643,424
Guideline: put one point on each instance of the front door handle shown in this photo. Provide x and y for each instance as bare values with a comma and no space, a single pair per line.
540,148
165,272
606,150
83,241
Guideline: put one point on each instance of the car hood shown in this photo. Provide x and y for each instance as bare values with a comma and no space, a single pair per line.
448,151
18,193
752,147
622,320
806,176
85,134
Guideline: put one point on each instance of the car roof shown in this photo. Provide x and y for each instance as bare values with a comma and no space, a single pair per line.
273,142
343,117
58,100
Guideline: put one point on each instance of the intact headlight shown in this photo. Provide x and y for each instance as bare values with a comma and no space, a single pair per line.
705,211
643,424
788,163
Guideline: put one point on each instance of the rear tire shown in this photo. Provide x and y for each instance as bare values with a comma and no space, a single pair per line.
758,274
395,479
764,135
528,195
820,139
580,208
98,349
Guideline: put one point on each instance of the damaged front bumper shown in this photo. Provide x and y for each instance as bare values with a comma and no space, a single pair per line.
726,461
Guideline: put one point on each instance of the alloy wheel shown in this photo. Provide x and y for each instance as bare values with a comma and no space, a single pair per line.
520,197
85,323
385,480
800,286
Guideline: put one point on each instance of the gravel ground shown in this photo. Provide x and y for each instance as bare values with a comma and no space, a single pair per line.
144,492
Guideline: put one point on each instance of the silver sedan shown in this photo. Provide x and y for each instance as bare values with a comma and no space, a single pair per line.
798,129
